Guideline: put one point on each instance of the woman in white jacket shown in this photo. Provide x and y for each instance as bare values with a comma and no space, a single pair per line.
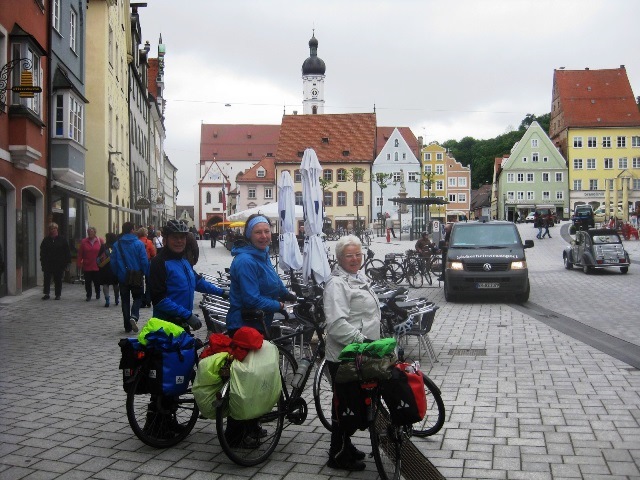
352,314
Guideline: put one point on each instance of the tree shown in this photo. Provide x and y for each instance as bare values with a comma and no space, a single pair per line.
382,180
357,175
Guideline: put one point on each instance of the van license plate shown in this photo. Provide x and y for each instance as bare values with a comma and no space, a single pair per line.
487,285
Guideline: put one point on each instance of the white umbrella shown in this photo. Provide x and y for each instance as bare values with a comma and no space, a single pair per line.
315,262
270,210
290,257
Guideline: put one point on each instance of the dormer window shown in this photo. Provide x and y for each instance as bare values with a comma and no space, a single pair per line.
325,139
345,153
215,134
261,173
300,153
248,135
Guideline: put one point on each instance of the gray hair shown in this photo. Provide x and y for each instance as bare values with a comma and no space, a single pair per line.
92,228
346,241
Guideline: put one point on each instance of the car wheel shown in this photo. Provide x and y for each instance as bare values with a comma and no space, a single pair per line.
448,296
586,269
624,269
523,297
567,264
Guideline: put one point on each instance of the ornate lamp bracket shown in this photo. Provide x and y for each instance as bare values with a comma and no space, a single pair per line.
4,77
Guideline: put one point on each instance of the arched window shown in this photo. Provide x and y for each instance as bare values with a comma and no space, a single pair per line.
342,199
342,175
297,177
358,198
396,156
328,199
208,198
396,143
314,110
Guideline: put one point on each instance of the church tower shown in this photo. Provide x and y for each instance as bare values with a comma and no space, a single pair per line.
313,80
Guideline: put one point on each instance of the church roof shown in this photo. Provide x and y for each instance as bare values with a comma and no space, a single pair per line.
238,142
313,65
336,138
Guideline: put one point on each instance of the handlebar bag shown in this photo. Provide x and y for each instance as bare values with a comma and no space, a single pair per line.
171,362
404,395
367,361
255,383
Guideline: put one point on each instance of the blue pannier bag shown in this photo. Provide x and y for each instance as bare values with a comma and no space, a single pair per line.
171,363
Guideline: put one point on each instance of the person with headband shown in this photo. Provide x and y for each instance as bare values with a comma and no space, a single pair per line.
255,284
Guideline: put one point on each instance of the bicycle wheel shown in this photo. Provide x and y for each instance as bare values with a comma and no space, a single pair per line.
161,421
323,394
434,418
376,264
395,273
386,443
412,272
436,266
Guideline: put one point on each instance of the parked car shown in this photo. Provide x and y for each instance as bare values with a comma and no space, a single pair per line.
595,249
583,217
530,218
600,217
484,258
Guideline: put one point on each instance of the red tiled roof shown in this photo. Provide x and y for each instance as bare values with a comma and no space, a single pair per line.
268,163
385,132
238,142
354,133
595,98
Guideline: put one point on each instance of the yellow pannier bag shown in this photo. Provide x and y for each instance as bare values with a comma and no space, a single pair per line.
208,383
155,324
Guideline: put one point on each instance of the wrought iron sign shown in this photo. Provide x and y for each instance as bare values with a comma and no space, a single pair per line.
26,89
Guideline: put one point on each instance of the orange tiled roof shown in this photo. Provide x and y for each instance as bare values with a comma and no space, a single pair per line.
251,175
595,98
237,142
330,136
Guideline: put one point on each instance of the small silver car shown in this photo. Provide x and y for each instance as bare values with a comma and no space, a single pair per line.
596,248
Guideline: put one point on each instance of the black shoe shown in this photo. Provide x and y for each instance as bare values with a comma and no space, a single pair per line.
345,462
247,441
355,453
88,299
46,297
57,297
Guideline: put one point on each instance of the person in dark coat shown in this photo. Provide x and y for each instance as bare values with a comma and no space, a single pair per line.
106,277
213,236
55,257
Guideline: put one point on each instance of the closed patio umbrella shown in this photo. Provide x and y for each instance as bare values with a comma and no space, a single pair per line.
315,263
290,257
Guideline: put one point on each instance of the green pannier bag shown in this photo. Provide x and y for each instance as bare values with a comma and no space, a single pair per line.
155,324
255,383
208,383
367,361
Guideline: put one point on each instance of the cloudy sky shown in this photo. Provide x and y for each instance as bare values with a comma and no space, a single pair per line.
445,68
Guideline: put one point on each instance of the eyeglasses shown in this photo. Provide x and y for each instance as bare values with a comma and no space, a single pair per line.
349,256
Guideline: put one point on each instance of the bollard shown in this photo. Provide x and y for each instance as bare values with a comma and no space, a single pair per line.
388,235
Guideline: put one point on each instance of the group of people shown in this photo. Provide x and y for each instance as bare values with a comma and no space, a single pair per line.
543,221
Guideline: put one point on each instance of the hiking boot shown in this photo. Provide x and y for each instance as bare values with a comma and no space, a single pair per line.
355,453
46,297
345,461
57,297
248,441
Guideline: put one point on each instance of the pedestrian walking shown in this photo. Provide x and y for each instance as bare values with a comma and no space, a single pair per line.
129,256
150,249
213,236
158,242
388,223
537,223
548,222
106,277
87,261
55,257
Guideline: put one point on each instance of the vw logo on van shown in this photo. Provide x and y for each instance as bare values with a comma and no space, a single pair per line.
486,267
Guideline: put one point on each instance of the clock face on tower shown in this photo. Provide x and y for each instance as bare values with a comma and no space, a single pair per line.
314,92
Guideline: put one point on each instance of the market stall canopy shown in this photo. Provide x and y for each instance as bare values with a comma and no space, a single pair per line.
419,201
222,224
270,210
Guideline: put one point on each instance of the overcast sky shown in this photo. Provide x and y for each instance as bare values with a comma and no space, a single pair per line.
445,68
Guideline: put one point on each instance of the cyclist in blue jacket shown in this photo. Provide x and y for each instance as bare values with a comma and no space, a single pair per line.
173,282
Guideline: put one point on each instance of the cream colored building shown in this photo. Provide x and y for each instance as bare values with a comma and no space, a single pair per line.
107,117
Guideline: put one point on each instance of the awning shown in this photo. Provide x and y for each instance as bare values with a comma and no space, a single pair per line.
419,200
93,200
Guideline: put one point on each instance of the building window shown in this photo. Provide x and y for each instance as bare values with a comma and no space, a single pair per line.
531,195
439,169
535,157
268,192
534,143
25,50
635,162
379,201
511,177
622,163
636,184
608,163
342,199
591,163
298,198
520,195
388,156
413,176
427,169
327,175
404,156
396,177
207,200
593,184
342,175
452,181
395,156
439,156
545,159
252,193
577,164
560,195
635,141
358,175
592,142
524,159
73,22
75,119
622,142
427,157
577,185
606,142
328,199
511,196
59,121
530,177
546,176
358,198
452,198
439,185
462,197
558,176
520,177
297,176
396,143
56,15
546,196
462,181
577,142
261,173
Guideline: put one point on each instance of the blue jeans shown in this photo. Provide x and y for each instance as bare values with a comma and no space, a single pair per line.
128,309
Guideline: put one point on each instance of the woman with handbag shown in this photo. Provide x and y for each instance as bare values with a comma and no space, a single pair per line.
352,313
106,277
130,264
87,256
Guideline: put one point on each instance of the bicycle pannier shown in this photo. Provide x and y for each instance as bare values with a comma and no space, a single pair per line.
349,400
171,362
133,354
404,395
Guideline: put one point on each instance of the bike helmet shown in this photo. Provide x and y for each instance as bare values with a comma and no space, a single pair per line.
174,226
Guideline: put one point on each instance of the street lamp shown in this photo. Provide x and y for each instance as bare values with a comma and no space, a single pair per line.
504,206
